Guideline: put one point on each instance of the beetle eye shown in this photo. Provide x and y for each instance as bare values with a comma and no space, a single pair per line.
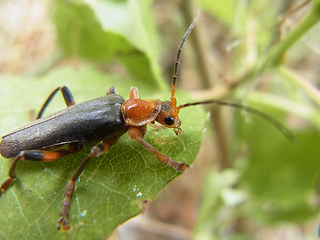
169,120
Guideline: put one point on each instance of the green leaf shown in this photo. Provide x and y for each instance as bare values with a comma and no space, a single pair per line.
112,187
219,201
109,31
281,176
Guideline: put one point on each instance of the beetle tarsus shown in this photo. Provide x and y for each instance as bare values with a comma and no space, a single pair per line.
182,167
176,165
63,221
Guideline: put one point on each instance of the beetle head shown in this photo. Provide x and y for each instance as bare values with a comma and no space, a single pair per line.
168,116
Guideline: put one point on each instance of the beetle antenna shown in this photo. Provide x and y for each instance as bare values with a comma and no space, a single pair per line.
177,63
256,112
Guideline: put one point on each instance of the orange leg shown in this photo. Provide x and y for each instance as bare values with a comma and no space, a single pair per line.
157,127
32,155
137,133
134,93
95,151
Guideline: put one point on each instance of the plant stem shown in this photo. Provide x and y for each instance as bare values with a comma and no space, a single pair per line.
276,56
306,86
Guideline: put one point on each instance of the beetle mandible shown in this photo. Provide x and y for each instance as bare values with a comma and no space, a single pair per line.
103,121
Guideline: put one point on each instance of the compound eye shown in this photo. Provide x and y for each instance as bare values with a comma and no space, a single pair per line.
169,120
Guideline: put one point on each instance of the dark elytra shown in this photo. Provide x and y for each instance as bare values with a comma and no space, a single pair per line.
91,120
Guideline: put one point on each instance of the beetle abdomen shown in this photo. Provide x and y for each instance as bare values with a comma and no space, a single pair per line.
95,119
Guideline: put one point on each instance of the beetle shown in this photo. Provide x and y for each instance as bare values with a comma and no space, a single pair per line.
102,121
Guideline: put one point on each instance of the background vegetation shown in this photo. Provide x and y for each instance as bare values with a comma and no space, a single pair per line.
248,182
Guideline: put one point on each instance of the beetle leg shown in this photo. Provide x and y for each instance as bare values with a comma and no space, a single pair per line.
32,155
95,151
67,95
133,93
137,133
156,126
112,90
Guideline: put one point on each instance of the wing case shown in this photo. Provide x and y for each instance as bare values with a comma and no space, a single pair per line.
93,120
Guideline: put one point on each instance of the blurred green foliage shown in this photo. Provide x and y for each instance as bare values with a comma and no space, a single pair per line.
273,181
